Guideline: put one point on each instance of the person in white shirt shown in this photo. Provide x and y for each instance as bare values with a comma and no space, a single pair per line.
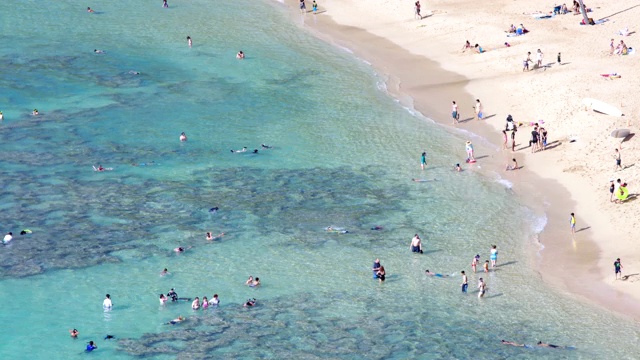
106,304
7,238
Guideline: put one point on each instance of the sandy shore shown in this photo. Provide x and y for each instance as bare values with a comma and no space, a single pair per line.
423,61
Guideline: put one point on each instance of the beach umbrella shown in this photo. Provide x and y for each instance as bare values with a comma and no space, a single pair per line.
620,133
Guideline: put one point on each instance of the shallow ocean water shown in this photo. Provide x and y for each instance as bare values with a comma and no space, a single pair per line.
343,155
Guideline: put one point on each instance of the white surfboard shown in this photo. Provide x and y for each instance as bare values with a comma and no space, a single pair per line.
601,107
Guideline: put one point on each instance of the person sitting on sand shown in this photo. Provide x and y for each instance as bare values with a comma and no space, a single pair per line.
512,167
467,45
563,9
478,49
624,32
240,55
512,29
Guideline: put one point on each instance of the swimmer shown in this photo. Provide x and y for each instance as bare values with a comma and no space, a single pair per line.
255,282
164,4
179,319
377,228
195,305
457,168
173,295
183,137
7,238
419,180
427,272
189,41
240,55
214,210
108,337
214,301
2,118
90,10
250,303
336,230
249,281
133,72
540,343
25,232
107,304
35,112
255,151
211,237
165,272
180,249
512,343
98,51
91,346
74,333
163,299
244,149
263,145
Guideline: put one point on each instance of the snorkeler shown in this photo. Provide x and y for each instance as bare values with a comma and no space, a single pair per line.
336,230
179,319
98,51
377,228
266,146
427,272
214,210
108,337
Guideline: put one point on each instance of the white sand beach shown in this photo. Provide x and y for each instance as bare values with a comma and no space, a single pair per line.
423,58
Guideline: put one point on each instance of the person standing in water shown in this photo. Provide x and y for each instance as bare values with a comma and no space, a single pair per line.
183,137
416,244
74,333
482,287
465,282
189,41
423,160
494,255
474,262
375,268
485,266
107,304
382,274
469,149
478,109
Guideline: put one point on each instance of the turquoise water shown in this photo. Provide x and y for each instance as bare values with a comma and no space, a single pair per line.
343,155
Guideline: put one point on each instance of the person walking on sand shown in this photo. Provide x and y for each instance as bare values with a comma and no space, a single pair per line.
189,41
539,56
616,156
478,109
513,140
314,7
572,222
423,159
525,63
416,8
612,47
612,189
465,282
303,7
494,256
454,113
618,268
474,262
482,288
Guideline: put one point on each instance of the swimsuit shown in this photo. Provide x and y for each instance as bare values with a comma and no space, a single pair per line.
415,248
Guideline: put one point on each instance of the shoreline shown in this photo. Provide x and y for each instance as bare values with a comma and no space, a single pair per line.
391,49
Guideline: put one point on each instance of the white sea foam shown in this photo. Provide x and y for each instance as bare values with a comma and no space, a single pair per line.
508,184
